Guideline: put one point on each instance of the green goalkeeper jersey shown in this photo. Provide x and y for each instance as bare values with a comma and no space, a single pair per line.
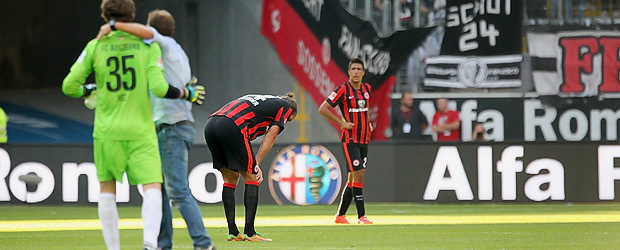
125,69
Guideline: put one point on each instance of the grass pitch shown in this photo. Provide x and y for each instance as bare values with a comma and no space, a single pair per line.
397,226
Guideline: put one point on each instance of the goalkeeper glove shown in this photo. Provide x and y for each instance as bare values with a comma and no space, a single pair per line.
89,88
194,93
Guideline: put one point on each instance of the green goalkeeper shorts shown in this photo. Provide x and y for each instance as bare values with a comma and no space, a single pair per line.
138,158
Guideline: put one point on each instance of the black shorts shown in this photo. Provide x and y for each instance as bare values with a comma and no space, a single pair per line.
356,155
229,148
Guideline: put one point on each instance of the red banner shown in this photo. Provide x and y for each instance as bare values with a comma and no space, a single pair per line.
309,60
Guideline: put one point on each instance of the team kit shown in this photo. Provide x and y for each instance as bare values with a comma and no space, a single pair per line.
143,73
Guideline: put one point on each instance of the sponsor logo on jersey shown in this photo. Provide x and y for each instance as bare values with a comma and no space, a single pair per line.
361,103
304,175
352,110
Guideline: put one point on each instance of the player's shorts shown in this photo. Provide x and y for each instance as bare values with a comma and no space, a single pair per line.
138,158
229,147
356,155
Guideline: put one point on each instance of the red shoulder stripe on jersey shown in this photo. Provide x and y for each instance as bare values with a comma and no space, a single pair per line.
337,98
245,117
238,109
288,113
345,104
225,109
279,115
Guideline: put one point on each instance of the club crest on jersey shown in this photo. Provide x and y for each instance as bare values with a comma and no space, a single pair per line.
366,95
304,175
361,103
356,162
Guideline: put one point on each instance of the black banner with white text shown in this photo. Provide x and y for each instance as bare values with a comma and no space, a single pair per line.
515,119
481,47
317,39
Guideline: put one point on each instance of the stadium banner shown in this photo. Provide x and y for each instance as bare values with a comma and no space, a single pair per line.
518,119
574,61
481,46
310,174
316,40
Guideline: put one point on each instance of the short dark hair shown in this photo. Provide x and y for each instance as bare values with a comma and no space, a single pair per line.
356,60
119,10
162,21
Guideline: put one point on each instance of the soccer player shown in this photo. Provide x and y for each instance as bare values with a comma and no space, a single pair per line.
228,133
353,99
175,131
124,134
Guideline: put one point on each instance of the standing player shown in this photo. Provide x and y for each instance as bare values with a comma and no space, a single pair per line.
228,134
353,98
175,131
124,134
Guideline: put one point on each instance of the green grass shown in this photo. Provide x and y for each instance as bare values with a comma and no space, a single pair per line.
398,226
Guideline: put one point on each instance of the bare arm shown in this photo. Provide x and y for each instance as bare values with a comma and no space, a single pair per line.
135,29
438,128
265,146
324,109
447,127
369,123
268,141
452,125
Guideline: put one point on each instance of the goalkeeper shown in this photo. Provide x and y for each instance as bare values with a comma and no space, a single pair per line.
175,128
124,134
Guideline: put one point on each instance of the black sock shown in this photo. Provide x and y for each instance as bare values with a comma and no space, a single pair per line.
359,201
345,201
251,204
228,198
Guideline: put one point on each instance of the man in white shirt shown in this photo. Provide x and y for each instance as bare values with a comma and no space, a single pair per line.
174,125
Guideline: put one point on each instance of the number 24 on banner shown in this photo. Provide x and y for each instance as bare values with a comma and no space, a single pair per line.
467,41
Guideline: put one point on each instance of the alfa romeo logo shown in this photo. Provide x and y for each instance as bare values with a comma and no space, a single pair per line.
304,175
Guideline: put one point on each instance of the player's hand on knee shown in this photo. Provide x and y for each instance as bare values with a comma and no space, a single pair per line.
259,174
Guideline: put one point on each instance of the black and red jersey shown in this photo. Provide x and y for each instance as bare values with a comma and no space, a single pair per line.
353,104
254,114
